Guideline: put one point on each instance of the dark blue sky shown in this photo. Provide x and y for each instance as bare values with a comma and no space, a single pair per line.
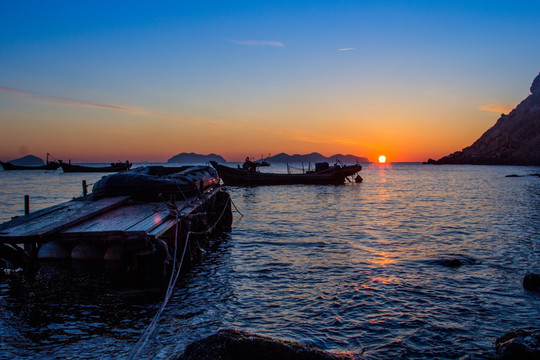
410,79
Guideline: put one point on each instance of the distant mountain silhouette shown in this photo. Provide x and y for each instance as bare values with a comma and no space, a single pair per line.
28,160
315,157
513,140
192,158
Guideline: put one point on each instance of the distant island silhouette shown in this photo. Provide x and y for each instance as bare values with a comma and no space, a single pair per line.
513,140
192,158
28,160
315,157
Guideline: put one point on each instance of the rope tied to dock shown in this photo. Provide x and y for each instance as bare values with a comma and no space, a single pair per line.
175,273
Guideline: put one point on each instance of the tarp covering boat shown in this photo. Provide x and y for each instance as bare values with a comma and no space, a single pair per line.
156,183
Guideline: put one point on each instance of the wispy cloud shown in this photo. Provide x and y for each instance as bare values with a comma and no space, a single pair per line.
259,43
345,49
150,113
72,102
497,108
226,122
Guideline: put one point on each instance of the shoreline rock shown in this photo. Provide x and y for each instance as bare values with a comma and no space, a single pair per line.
531,282
231,344
523,344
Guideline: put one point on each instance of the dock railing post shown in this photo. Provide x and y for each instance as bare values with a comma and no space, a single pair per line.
84,188
26,204
27,246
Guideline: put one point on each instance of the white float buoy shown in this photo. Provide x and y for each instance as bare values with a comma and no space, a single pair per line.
86,252
53,250
114,253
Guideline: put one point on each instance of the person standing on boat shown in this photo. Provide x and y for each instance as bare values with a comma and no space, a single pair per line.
249,165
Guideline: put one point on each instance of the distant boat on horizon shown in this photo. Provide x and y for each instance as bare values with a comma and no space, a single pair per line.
49,165
114,167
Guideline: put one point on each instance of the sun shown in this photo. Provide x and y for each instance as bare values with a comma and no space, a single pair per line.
382,159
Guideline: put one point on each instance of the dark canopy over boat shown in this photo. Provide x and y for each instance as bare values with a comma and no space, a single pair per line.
114,167
157,183
334,175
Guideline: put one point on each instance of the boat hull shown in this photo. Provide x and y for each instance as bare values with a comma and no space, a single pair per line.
70,168
243,177
10,166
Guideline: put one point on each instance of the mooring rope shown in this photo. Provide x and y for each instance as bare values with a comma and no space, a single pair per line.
238,211
172,280
151,327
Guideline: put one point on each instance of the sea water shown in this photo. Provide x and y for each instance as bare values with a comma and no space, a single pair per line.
416,262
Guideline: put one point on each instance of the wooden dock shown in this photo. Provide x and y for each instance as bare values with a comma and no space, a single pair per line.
137,227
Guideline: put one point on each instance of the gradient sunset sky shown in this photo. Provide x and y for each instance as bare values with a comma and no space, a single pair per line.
142,81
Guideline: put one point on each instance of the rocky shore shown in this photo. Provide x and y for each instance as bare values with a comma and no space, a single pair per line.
233,344
513,140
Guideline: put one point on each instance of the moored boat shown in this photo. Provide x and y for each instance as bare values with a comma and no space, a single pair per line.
49,165
114,167
53,165
330,175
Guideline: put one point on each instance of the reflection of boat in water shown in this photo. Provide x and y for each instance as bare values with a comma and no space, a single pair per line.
323,175
114,167
50,165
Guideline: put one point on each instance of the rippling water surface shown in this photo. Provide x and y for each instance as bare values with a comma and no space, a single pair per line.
361,268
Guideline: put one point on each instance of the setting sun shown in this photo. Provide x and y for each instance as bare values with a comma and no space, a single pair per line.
382,159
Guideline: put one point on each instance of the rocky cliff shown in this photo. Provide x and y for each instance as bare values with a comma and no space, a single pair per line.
513,140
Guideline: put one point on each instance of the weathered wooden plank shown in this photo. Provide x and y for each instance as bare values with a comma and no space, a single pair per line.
151,221
59,218
184,209
119,219
34,215
102,236
162,228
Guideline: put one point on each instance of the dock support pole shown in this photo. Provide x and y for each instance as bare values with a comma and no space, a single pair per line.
27,247
26,204
84,188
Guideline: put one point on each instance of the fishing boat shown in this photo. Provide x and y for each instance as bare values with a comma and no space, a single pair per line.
322,175
53,165
114,167
49,165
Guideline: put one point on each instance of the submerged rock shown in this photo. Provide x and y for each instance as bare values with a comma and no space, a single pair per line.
452,263
521,344
455,261
234,344
531,282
